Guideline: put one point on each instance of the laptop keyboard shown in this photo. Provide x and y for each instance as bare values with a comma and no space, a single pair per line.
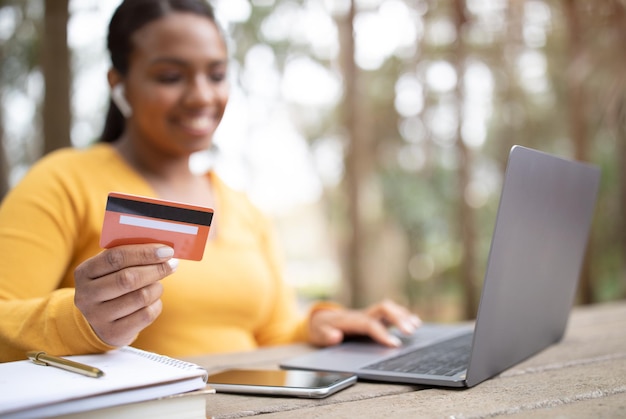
446,358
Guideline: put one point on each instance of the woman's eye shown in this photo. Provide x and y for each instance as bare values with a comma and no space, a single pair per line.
217,77
169,78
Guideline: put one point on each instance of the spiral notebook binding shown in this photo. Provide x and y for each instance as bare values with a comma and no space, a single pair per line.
162,359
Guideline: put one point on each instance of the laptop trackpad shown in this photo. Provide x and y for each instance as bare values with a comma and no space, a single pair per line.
360,351
345,357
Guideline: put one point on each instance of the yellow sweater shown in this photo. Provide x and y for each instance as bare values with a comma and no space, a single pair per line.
234,299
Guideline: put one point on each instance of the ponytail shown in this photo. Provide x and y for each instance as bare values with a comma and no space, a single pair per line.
114,124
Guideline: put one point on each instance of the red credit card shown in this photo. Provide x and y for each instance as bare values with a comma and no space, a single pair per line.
132,219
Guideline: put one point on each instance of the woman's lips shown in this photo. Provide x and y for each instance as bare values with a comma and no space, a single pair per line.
197,124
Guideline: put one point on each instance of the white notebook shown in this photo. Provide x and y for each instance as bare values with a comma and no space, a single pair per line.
131,375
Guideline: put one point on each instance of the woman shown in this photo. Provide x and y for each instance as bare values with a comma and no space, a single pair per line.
61,293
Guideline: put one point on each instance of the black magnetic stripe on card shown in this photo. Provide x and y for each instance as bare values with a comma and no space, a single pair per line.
164,212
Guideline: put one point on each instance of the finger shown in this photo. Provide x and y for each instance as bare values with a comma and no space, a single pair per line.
379,332
120,257
356,323
124,331
127,280
326,335
395,315
131,302
119,320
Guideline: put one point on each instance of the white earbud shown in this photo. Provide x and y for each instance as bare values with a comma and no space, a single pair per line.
119,98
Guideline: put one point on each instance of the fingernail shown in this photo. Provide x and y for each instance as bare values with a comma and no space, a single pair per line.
408,326
173,264
394,341
165,252
335,336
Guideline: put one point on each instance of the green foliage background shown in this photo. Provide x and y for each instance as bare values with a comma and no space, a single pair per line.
423,202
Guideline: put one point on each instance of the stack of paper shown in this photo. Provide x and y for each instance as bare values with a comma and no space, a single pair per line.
28,390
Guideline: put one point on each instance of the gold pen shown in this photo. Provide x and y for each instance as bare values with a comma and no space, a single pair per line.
42,358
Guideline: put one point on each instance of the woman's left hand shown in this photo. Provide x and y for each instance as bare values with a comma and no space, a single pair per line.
330,326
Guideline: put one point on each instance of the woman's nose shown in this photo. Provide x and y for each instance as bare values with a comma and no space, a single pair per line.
201,92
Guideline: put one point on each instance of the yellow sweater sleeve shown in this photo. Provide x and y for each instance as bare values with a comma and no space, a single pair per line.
40,230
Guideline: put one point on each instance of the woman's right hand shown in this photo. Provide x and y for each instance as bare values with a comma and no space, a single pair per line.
119,290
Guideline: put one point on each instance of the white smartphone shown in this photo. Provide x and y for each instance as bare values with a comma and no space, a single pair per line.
294,383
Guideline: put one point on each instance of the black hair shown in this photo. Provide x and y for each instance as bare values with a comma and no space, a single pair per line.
130,16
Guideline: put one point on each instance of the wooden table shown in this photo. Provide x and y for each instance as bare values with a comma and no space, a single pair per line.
583,376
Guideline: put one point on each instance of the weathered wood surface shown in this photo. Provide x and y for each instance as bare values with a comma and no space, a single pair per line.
583,376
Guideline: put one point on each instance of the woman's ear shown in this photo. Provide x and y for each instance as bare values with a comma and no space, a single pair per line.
119,98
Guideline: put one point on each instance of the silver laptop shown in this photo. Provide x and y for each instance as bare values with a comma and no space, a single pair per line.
537,250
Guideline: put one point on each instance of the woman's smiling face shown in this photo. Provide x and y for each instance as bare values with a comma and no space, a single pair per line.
176,83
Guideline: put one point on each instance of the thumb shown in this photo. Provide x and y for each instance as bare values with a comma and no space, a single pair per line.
326,336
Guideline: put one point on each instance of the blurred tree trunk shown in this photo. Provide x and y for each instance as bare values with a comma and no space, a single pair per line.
618,120
56,73
354,161
466,214
578,120
621,166
350,74
4,164
513,95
